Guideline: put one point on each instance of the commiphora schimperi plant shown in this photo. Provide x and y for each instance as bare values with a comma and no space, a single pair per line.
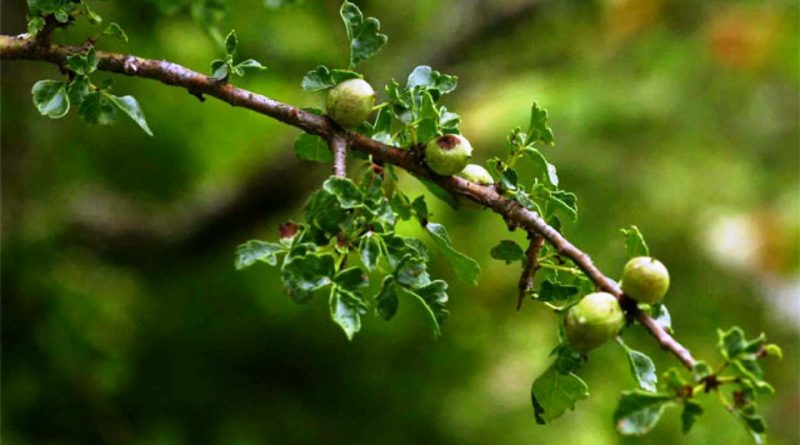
348,235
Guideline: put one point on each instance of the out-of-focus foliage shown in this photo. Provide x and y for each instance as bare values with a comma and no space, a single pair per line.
124,324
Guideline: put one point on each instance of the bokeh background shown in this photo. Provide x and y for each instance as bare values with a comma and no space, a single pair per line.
125,322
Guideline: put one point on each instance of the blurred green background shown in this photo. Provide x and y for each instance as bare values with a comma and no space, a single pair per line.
124,320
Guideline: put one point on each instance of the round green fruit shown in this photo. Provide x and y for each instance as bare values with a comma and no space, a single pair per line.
350,102
645,279
596,319
448,155
477,174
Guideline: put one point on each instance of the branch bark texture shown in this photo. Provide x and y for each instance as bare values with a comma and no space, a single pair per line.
24,48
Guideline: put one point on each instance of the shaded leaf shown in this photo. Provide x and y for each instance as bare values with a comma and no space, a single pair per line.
311,147
508,251
634,242
466,268
553,393
50,98
364,35
639,411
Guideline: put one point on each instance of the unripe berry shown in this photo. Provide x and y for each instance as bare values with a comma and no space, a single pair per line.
350,102
448,155
645,279
596,319
477,174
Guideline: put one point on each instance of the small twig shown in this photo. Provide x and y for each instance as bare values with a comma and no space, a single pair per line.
530,268
338,145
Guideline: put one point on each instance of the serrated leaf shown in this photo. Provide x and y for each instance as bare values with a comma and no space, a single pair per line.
465,267
364,35
508,251
661,316
554,292
386,301
634,242
78,90
369,247
433,297
345,191
311,147
346,309
321,78
412,272
96,108
35,24
130,106
642,368
50,98
435,83
116,31
567,359
305,274
252,251
351,278
538,130
639,411
691,410
565,201
553,393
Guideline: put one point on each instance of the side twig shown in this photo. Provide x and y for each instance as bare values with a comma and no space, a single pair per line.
530,268
338,145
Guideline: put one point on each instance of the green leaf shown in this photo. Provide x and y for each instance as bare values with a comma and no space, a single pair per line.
553,393
305,274
639,411
642,368
231,42
322,78
364,35
546,170
554,292
661,316
700,371
351,278
538,130
35,24
465,267
567,359
412,272
50,98
220,69
386,301
508,251
93,17
252,251
731,343
345,191
83,64
435,83
420,209
78,90
116,31
565,201
346,309
130,106
96,108
773,350
311,147
370,248
433,297
634,242
249,64
691,410
277,4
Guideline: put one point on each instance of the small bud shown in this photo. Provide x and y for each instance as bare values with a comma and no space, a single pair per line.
596,319
448,155
350,102
645,279
477,174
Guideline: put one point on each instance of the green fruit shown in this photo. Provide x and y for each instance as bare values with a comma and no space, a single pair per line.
448,155
350,102
477,174
596,319
645,279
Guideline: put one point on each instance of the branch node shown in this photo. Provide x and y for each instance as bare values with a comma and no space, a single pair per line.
530,268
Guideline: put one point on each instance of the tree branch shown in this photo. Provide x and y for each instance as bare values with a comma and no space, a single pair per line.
338,145
530,268
23,47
